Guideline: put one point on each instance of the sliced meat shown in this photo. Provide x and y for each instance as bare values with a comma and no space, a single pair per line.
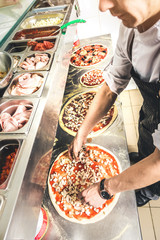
30,63
27,84
17,120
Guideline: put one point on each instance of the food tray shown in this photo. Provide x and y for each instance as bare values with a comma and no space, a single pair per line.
14,47
50,4
52,40
1,204
36,33
14,81
6,148
20,48
10,106
32,54
31,21
61,8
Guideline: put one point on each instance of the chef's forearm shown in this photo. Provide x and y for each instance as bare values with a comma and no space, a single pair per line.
142,174
101,104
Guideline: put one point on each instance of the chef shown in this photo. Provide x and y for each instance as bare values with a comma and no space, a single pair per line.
137,55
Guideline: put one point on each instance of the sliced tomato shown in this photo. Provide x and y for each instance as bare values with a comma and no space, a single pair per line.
31,43
48,44
39,47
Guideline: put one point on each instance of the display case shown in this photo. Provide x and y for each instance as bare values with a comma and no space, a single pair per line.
21,193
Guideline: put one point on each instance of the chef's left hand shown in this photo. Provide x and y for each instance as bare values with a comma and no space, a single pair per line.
92,196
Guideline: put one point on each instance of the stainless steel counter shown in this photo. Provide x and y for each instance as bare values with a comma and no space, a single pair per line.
122,222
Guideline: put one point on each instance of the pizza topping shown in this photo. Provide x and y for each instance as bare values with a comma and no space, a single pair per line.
92,78
69,178
75,112
88,55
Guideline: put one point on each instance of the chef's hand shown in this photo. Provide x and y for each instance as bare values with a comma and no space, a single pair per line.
76,146
92,196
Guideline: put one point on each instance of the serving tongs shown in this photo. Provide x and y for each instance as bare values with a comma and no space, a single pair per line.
66,25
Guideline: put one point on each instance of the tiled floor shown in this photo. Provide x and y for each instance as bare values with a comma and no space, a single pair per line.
149,214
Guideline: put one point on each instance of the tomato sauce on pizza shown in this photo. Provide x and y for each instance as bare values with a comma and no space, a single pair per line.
88,55
75,110
92,78
68,178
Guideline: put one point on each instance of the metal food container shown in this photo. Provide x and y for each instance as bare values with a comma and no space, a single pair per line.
37,93
52,40
1,203
42,10
19,49
36,33
8,155
10,107
44,20
6,65
14,47
51,3
39,68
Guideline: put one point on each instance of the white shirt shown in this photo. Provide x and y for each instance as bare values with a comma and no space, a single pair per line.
145,61
145,58
156,137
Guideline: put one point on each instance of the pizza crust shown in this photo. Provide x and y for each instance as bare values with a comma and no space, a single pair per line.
97,85
93,65
92,134
102,214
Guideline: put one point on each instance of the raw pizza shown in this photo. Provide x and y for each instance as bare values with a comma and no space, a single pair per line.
75,110
88,55
68,178
92,78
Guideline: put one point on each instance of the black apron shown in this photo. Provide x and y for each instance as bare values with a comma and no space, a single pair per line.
149,117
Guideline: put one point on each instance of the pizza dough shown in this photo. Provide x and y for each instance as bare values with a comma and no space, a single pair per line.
92,78
68,178
75,110
88,56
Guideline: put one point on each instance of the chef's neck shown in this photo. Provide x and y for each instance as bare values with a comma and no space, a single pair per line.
148,23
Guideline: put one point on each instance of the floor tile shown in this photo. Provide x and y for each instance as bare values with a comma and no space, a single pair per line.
146,224
132,148
127,115
135,110
146,206
155,203
156,221
125,99
131,85
137,132
136,98
130,134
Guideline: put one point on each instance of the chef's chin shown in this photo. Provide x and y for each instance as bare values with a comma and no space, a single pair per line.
130,23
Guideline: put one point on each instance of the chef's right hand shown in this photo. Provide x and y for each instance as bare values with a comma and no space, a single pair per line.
75,146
